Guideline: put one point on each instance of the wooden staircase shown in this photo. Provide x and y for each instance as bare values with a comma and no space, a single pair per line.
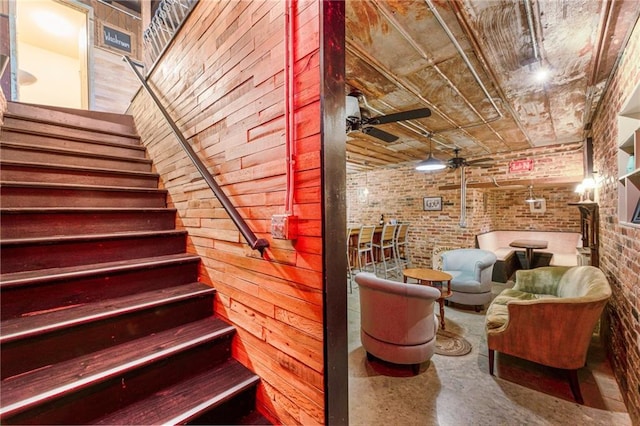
103,320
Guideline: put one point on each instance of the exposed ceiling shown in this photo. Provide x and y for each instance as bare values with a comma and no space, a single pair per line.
473,64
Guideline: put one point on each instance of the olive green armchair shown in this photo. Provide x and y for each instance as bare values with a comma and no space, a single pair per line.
548,317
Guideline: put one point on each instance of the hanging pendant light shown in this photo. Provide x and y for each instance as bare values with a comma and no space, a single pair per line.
531,198
431,163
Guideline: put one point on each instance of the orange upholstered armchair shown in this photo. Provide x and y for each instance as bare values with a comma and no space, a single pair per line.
548,317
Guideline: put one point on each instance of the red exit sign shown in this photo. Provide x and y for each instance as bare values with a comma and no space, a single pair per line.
520,166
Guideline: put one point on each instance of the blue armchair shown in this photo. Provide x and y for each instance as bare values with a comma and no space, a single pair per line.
471,270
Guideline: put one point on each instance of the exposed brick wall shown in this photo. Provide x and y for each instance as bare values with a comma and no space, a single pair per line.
619,245
223,79
398,193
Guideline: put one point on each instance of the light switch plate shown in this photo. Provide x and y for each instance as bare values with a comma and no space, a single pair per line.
283,227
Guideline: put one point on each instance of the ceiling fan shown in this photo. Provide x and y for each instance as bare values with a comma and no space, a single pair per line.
457,161
360,118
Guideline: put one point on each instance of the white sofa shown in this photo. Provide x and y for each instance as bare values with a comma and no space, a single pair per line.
562,249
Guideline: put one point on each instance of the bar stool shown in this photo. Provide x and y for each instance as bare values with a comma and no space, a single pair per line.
364,248
401,245
386,245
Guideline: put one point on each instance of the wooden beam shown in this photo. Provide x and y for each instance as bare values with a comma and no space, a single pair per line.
503,184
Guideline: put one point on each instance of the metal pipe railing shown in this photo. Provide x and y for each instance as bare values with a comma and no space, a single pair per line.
254,242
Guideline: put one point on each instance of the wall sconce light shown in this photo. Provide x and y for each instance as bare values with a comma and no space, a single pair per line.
580,190
585,188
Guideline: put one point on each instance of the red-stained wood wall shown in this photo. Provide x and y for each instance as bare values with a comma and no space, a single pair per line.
222,81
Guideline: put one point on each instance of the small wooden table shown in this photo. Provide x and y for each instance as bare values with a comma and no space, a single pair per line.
432,278
529,246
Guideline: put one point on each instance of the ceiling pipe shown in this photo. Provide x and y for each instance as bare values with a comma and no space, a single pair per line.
539,59
534,39
609,79
359,52
592,92
462,54
462,20
389,16
607,13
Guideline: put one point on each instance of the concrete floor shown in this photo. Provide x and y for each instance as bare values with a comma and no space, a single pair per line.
459,390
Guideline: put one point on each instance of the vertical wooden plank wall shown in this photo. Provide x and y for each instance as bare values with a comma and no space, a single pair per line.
223,83
114,85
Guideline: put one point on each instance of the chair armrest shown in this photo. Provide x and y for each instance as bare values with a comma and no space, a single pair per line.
552,332
485,261
484,267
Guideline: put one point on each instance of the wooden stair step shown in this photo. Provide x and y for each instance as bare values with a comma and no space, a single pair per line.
113,117
34,222
40,128
49,322
22,254
70,118
31,194
45,289
14,171
35,154
43,338
189,399
53,382
43,276
95,146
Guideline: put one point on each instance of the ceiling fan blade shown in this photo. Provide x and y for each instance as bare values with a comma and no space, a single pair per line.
480,160
400,116
380,134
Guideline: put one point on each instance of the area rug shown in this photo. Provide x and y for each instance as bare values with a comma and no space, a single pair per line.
450,344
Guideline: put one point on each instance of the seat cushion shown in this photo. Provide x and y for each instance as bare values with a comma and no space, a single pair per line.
564,259
498,313
503,253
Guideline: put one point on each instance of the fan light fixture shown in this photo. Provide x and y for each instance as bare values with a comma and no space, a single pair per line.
531,198
431,163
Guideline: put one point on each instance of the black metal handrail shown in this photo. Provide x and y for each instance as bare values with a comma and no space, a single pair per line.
254,242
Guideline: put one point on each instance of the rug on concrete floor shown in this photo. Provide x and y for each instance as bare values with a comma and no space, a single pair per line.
450,344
